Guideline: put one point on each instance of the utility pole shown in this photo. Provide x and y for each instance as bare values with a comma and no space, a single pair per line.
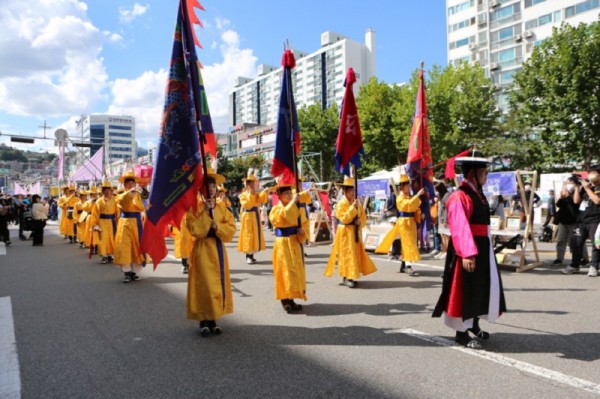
44,126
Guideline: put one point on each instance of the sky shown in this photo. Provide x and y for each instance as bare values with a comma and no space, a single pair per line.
60,59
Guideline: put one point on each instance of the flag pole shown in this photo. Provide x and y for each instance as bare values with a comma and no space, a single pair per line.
193,67
354,174
293,134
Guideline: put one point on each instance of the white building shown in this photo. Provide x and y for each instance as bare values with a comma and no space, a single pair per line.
115,132
317,78
501,34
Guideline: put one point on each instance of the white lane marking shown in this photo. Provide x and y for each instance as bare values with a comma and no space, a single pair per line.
385,259
10,379
506,361
2,248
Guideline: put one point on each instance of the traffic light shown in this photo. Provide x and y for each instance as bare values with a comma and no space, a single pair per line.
22,140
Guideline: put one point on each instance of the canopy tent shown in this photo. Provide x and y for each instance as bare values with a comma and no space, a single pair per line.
92,168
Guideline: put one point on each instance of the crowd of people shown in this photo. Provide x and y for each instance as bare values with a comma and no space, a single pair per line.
108,221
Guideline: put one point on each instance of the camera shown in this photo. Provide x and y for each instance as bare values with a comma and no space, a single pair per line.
575,178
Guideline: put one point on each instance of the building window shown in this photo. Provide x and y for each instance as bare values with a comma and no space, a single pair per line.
581,7
545,19
116,127
529,3
461,7
505,33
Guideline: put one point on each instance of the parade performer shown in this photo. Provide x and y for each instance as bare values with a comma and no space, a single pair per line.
288,256
182,242
80,216
209,294
348,245
105,215
62,204
129,229
222,196
71,214
88,207
472,287
405,227
251,238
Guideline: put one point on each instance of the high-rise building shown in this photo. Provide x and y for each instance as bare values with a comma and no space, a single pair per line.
318,78
115,132
501,34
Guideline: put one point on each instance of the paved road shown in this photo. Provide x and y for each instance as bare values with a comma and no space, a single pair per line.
81,333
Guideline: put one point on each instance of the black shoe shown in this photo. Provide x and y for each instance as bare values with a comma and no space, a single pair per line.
462,338
479,333
7,243
126,278
23,238
287,306
402,267
133,276
204,329
296,307
104,260
557,262
212,325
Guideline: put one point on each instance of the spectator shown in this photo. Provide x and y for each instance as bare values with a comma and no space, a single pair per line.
522,206
566,219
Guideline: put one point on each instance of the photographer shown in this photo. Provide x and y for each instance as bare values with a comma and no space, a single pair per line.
588,223
565,217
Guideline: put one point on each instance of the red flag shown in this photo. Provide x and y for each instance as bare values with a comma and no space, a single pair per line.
349,144
450,173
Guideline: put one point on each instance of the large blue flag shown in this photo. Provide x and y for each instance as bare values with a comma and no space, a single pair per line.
287,139
178,171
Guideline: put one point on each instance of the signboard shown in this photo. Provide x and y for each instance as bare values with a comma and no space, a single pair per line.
499,183
379,188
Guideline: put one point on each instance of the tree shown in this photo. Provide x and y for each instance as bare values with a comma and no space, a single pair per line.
236,169
556,95
318,132
377,104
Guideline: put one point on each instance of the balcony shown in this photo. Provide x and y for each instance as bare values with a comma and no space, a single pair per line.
506,20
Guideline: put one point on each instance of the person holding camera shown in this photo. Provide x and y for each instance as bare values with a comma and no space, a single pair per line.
565,217
588,224
39,213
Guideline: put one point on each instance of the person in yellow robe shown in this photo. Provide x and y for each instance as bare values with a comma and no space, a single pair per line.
251,238
348,247
288,256
62,204
222,196
405,227
183,241
209,294
128,254
80,218
88,208
71,214
105,216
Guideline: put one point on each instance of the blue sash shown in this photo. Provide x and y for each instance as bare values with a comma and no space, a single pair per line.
286,231
405,214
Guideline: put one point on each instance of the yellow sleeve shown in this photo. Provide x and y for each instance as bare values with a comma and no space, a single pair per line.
263,197
345,212
225,225
247,201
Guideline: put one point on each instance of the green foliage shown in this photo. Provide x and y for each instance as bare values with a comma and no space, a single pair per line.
12,154
318,131
236,169
556,96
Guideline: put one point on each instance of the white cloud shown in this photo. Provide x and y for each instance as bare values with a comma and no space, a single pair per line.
127,15
54,67
143,97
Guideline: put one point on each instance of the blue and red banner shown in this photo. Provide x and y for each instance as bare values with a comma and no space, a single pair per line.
177,173
419,163
349,144
287,139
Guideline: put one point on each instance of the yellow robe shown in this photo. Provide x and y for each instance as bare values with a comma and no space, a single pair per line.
353,260
81,232
88,207
62,204
71,215
288,257
183,240
406,228
209,294
251,234
127,239
106,238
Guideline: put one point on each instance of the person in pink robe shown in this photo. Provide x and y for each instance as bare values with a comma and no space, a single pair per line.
472,287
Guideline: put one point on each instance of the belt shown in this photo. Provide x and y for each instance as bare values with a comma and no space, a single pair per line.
286,231
405,214
479,229
344,224
220,253
138,217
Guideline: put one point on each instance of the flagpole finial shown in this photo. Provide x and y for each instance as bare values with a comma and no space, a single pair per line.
422,65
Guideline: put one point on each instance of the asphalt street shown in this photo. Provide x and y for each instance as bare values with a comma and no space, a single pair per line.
81,333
